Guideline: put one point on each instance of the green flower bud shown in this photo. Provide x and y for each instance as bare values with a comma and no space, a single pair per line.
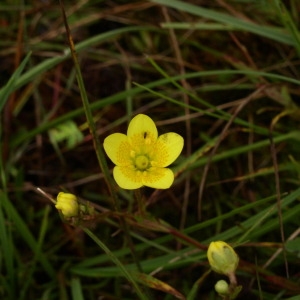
222,258
68,204
222,287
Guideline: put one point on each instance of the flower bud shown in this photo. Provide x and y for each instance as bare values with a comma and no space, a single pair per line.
222,258
68,204
222,287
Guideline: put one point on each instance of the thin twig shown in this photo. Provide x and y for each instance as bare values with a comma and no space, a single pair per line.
222,135
185,96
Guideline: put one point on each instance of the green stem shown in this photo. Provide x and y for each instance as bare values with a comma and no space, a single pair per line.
232,280
140,201
90,120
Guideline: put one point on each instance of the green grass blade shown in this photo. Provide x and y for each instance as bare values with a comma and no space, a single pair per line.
26,234
276,34
293,136
76,289
28,280
121,96
6,91
116,261
180,258
289,24
49,63
7,252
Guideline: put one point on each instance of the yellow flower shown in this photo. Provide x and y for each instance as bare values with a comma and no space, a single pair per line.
68,204
141,156
222,258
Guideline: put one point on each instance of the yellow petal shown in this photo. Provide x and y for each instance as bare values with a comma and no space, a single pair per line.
117,148
127,177
158,178
167,149
143,126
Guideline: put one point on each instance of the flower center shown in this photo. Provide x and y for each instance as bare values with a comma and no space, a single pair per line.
142,162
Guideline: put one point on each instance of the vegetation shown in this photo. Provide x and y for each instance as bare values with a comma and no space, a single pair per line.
222,74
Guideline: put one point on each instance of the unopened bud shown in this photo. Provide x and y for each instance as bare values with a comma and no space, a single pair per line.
68,204
222,258
222,287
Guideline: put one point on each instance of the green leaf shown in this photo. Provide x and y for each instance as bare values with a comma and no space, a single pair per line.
67,132
293,246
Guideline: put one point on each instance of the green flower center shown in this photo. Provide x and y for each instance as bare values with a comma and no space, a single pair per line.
142,162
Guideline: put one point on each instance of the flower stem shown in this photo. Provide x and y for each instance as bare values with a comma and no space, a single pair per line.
233,282
140,202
